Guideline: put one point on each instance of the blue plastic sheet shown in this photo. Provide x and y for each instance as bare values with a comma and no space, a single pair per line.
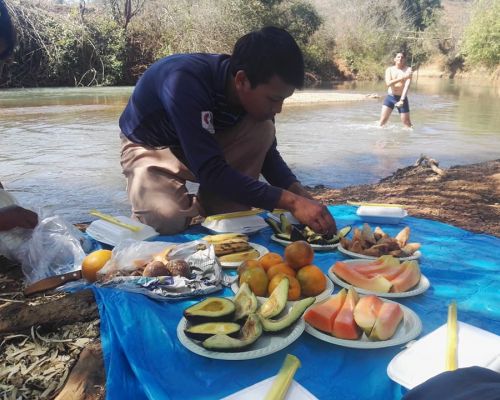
145,360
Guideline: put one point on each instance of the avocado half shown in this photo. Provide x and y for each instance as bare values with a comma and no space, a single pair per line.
204,331
212,309
250,332
245,302
276,325
276,301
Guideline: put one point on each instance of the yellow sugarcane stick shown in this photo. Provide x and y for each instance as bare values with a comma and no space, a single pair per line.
451,342
283,379
236,214
113,220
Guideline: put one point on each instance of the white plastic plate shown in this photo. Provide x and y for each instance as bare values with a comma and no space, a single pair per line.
421,287
235,264
408,329
320,297
316,247
351,254
267,344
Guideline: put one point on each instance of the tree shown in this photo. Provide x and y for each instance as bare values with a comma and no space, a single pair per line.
421,12
124,10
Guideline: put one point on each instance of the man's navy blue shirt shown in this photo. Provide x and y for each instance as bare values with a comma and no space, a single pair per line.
176,103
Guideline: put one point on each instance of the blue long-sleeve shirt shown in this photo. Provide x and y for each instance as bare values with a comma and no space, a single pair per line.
171,106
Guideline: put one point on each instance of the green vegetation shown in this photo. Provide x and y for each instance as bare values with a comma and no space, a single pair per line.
111,42
482,36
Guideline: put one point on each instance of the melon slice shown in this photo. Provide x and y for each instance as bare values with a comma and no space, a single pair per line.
386,266
389,317
322,315
408,278
350,275
366,312
344,326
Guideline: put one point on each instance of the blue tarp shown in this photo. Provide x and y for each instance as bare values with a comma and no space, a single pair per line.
145,360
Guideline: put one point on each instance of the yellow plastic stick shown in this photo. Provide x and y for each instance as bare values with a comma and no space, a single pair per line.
235,214
451,342
361,203
113,220
283,379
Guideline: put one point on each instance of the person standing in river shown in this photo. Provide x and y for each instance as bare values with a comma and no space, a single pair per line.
397,79
209,118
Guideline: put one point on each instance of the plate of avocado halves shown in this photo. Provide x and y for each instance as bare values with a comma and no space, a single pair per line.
241,327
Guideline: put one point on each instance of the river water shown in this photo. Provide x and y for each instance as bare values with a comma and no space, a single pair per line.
59,147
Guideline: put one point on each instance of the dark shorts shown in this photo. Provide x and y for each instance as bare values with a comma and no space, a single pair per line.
390,100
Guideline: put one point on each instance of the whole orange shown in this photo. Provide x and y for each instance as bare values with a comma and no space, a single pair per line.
298,254
257,280
312,280
246,265
293,289
270,259
93,262
280,268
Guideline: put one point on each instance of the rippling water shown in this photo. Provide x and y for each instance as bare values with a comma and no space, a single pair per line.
60,147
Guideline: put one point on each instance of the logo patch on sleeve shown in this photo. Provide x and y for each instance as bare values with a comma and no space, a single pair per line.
207,121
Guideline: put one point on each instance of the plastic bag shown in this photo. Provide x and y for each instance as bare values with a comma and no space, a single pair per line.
120,271
56,247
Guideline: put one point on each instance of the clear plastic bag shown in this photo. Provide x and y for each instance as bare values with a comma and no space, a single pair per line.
56,247
206,272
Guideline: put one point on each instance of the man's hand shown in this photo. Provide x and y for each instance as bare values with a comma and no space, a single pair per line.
399,104
409,73
16,216
309,212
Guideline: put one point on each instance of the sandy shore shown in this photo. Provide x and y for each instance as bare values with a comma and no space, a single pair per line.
309,97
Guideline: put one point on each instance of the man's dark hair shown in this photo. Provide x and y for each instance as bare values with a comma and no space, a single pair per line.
7,35
267,52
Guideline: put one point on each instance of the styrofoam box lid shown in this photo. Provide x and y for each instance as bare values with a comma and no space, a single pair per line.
248,224
377,211
425,357
108,233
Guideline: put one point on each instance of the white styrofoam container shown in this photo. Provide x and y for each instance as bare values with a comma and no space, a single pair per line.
381,215
425,358
108,233
247,224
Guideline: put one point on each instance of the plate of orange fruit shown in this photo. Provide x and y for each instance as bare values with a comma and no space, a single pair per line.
305,278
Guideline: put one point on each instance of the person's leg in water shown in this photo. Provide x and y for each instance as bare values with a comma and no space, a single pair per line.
405,119
387,108
404,113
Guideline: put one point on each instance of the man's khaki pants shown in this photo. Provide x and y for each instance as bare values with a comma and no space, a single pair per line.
156,178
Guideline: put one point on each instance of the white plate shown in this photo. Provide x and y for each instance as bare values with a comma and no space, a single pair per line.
320,297
351,254
267,344
317,247
247,225
234,264
408,329
421,287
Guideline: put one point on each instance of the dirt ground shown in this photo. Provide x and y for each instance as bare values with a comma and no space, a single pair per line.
467,196
37,364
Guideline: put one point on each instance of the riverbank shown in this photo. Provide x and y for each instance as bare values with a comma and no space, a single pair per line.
50,343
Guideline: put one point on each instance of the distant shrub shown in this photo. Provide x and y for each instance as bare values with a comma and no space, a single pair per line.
482,36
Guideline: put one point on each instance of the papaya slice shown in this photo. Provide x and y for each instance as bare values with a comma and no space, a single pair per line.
376,284
344,326
322,315
389,317
408,278
366,312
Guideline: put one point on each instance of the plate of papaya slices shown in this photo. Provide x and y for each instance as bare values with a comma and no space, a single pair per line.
364,322
284,233
241,328
386,277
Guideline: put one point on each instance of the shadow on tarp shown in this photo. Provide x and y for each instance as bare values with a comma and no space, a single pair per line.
145,360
